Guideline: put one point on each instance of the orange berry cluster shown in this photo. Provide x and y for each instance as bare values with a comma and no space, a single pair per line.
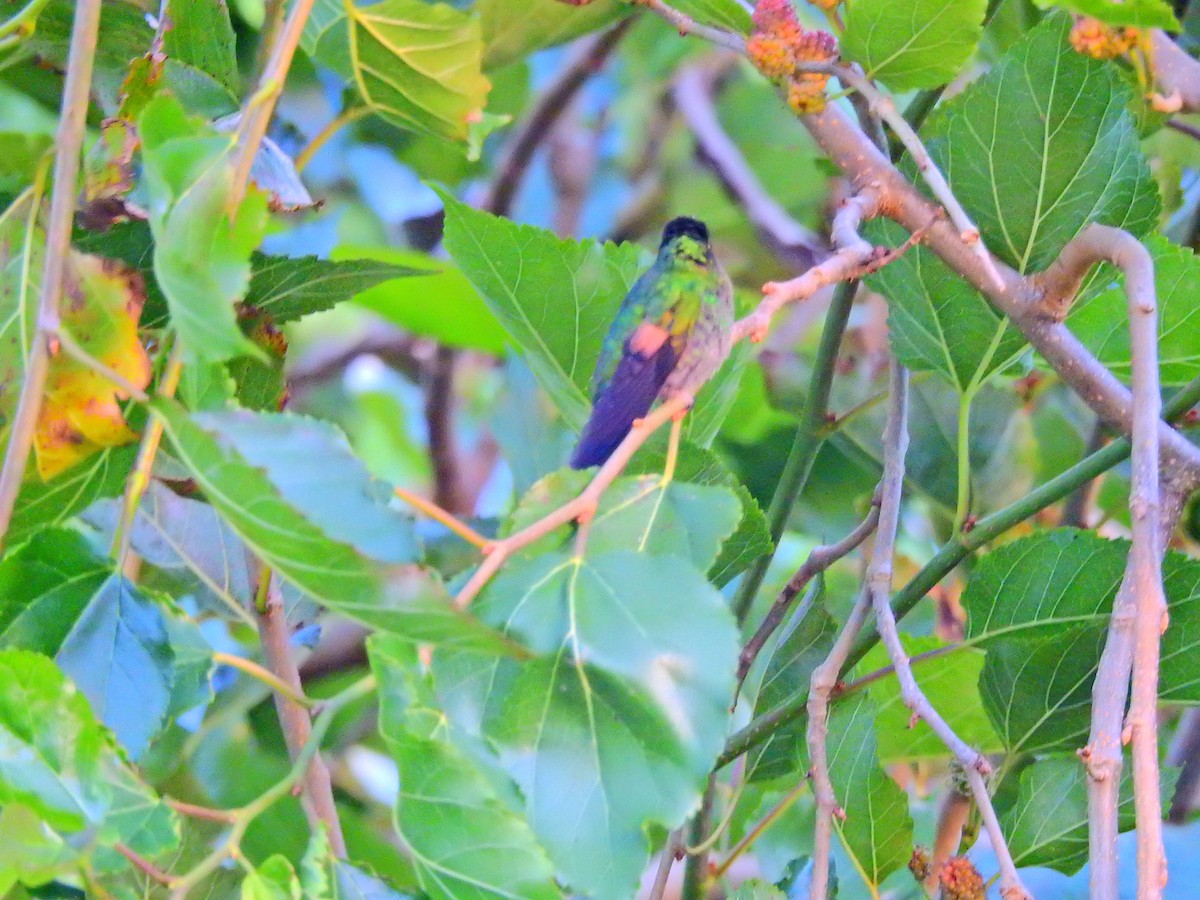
1091,37
779,47
961,880
920,864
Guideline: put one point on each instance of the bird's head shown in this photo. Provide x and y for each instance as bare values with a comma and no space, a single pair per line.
686,240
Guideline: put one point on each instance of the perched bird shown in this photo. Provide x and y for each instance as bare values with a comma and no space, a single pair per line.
670,335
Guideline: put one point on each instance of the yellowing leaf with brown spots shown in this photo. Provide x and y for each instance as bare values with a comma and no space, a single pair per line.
81,412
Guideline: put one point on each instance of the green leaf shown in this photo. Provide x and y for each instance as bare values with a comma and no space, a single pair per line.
292,490
58,598
1040,608
418,64
1048,824
442,304
1042,146
512,31
625,711
273,880
757,890
787,664
326,37
877,831
555,298
949,676
463,840
920,44
1102,322
52,502
51,747
201,35
290,288
641,513
20,155
201,257
1138,13
727,14
936,321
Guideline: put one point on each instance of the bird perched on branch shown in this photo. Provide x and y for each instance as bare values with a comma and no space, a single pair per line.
670,336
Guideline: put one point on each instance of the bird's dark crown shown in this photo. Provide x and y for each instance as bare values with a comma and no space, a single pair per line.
684,225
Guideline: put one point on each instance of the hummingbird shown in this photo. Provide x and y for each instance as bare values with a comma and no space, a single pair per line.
670,335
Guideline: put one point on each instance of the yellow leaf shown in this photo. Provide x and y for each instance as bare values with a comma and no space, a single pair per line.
81,412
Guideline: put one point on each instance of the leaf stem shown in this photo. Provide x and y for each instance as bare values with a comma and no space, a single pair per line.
757,831
963,440
243,817
69,143
267,677
435,512
139,477
804,446
332,127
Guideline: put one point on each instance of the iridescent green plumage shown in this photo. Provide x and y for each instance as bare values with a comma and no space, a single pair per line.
670,335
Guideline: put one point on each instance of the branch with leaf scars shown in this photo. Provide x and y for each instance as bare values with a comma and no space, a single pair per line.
294,717
68,142
852,253
582,507
825,676
1131,645
879,585
793,244
820,559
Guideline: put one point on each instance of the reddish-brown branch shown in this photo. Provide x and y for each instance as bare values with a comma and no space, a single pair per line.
317,797
820,559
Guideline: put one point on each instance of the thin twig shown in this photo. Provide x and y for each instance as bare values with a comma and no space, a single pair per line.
686,25
671,852
143,864
200,812
256,114
820,559
581,506
852,252
332,127
759,829
267,677
885,108
68,142
821,684
959,548
242,818
879,580
439,421
294,718
139,476
72,348
435,512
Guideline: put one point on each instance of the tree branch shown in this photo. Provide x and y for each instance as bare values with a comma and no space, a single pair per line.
879,580
439,418
294,718
686,25
537,123
68,140
954,552
581,507
820,559
796,246
879,572
853,253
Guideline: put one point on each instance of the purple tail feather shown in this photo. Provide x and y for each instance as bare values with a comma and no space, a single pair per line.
628,395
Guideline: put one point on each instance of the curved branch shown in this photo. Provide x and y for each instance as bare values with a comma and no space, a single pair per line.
794,245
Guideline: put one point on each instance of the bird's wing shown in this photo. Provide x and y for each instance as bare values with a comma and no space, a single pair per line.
647,358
